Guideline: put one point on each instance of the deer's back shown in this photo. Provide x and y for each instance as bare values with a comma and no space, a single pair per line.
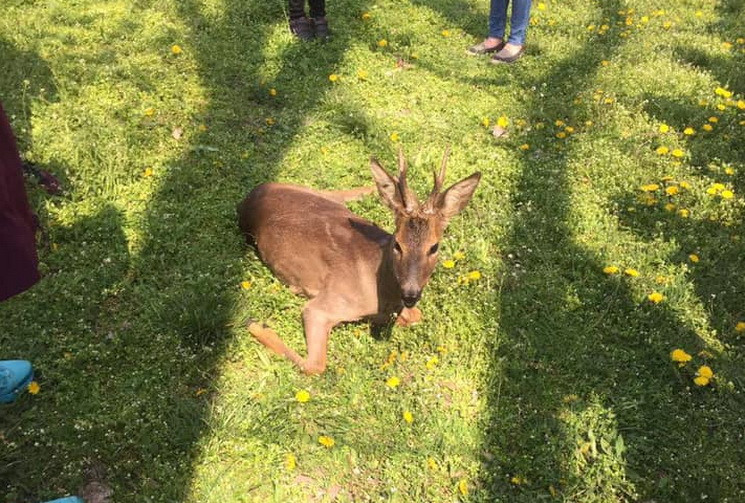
309,240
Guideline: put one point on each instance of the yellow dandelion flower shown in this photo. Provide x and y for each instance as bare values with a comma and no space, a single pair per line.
517,480
459,255
677,153
741,104
366,15
272,92
333,77
561,134
660,279
485,122
694,258
362,74
740,40
290,462
664,128
740,327
705,371
432,363
721,107
445,33
707,127
245,285
672,190
701,381
645,19
382,42
656,297
525,146
611,269
302,396
727,194
269,121
408,416
176,49
34,388
392,382
503,121
631,272
608,100
150,112
463,487
662,150
689,131
431,464
605,62
680,356
541,6
448,264
473,275
713,119
395,136
569,129
684,213
729,171
148,172
670,207
325,441
667,25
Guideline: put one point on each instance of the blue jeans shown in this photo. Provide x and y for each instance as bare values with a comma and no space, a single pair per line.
518,21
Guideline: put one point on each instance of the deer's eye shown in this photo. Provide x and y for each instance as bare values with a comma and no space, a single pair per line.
397,247
434,248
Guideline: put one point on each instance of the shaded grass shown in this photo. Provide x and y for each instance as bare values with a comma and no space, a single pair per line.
544,379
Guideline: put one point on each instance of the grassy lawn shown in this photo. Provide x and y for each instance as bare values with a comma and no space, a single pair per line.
547,376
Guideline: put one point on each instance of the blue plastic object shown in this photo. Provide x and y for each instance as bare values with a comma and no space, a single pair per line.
15,376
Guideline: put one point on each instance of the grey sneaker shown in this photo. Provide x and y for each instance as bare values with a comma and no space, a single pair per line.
481,48
301,28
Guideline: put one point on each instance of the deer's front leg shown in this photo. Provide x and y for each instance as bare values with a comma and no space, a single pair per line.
318,326
408,316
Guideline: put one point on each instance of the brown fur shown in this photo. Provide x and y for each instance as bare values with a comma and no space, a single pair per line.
348,267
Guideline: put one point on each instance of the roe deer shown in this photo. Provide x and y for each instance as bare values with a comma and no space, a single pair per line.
348,267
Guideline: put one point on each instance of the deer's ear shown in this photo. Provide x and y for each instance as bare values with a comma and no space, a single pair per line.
453,200
387,186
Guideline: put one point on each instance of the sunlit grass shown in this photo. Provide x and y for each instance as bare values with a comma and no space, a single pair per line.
534,374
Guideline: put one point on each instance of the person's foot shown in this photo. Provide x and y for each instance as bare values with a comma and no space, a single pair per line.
15,376
489,44
508,54
301,28
321,26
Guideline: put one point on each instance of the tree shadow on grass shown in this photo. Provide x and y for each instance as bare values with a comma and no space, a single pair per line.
583,400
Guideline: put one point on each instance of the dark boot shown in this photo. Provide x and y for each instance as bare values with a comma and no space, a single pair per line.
301,27
321,26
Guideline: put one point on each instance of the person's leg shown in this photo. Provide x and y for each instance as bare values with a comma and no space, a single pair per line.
318,15
497,19
515,45
497,22
299,24
519,21
297,8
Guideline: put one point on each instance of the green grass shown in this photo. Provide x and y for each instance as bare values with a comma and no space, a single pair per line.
553,381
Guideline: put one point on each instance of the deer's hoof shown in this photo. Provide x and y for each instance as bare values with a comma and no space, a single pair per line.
409,316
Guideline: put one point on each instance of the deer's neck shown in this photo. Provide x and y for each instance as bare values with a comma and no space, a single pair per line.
389,291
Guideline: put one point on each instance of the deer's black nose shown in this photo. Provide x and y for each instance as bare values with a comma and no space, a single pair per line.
411,297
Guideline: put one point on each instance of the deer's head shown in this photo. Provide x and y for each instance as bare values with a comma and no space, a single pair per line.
419,226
